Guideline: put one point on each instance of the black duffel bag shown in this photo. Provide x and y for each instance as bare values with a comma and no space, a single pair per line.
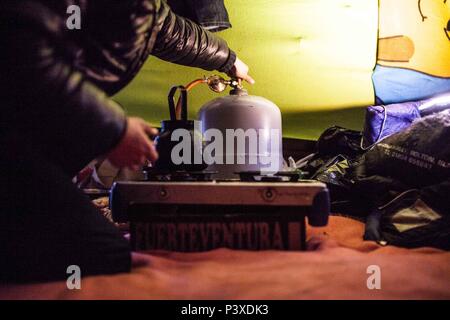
418,156
412,206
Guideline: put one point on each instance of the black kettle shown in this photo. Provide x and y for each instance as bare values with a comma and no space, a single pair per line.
171,160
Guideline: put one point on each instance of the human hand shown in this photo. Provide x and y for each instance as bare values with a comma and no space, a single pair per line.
136,147
240,71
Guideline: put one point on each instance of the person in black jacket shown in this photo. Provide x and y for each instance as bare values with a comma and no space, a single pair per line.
56,116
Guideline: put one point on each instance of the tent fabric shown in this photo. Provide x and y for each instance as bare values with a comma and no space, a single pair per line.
414,35
306,56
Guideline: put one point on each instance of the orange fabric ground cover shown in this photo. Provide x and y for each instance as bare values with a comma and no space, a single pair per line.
333,268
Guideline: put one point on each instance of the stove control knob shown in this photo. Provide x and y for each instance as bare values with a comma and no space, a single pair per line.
269,194
163,194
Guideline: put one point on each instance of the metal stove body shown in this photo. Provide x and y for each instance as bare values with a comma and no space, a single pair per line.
190,216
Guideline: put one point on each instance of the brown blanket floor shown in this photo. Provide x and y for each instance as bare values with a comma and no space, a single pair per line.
334,268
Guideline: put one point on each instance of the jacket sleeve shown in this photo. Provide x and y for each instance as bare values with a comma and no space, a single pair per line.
181,41
47,94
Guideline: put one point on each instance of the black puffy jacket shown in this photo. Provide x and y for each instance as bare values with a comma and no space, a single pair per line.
55,82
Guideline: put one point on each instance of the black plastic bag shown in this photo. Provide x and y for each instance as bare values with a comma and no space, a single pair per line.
337,153
334,145
337,140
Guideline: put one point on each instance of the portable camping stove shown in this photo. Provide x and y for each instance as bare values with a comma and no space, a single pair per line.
188,212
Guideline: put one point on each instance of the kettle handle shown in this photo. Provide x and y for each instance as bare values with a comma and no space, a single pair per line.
171,100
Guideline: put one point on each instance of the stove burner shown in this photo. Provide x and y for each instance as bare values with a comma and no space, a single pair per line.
282,176
152,174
